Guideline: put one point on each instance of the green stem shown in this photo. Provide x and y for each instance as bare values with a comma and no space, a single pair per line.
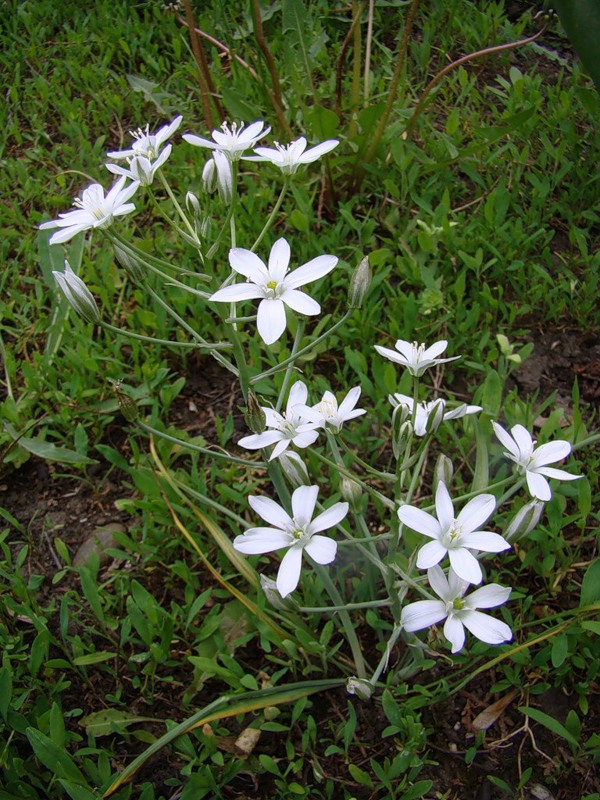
205,450
373,492
351,637
283,364
179,210
289,370
272,215
169,342
347,607
383,663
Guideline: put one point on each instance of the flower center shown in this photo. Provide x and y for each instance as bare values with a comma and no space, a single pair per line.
451,538
327,409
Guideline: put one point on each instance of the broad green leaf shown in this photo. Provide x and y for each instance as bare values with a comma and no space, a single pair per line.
581,21
78,792
590,586
102,723
53,757
93,658
47,450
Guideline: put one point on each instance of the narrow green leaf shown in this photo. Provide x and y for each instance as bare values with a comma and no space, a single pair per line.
552,724
102,723
53,757
43,449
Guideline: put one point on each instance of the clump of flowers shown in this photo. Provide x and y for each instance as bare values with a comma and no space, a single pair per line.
295,437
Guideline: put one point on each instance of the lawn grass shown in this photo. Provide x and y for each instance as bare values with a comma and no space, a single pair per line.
483,223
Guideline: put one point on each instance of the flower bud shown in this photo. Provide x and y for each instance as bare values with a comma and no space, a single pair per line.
524,521
361,687
400,442
255,416
77,294
442,472
294,469
209,175
127,405
193,204
435,415
352,494
130,264
269,587
360,283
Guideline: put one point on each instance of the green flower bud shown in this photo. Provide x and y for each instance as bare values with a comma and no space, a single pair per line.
352,494
255,416
524,521
130,264
127,405
269,587
442,472
294,469
360,283
361,687
77,294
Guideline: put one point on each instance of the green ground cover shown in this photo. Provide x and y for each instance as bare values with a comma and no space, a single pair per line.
481,228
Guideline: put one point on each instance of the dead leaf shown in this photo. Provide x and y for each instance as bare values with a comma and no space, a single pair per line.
246,742
489,715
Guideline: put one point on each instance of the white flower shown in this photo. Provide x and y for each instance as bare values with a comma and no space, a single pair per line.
146,145
429,415
217,175
532,460
288,158
455,536
416,357
459,611
231,140
274,286
77,294
285,429
327,413
93,210
297,533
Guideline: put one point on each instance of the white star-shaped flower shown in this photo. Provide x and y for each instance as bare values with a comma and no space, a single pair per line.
288,158
430,415
417,358
93,210
533,461
297,533
459,612
274,286
147,145
233,140
145,156
285,429
454,536
327,413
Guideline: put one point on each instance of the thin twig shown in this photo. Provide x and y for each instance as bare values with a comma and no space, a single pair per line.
478,54
207,87
340,62
223,48
271,66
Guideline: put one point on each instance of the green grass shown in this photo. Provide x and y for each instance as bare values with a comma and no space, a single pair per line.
482,224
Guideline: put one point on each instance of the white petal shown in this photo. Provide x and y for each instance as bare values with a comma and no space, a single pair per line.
248,264
289,571
306,438
486,628
505,439
465,565
301,302
313,153
261,540
434,350
430,554
455,633
279,260
551,452
559,474
485,541
322,549
237,293
523,439
304,501
538,485
350,401
298,396
198,141
488,596
330,517
477,511
422,614
271,320
311,271
420,521
439,583
391,354
270,511
443,506
279,448
258,440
